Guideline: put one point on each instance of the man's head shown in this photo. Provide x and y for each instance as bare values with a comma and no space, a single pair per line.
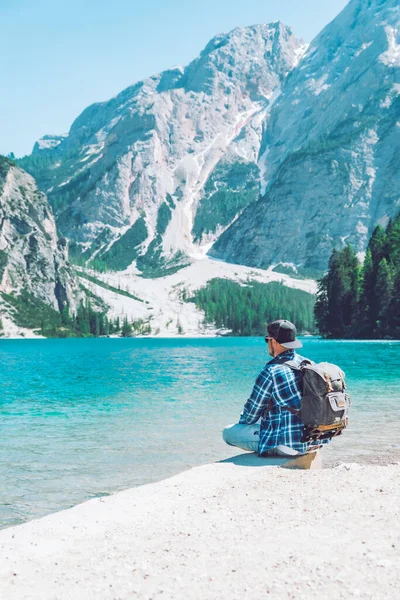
281,336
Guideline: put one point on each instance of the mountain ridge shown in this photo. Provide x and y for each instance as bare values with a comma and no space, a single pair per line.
331,150
168,137
292,149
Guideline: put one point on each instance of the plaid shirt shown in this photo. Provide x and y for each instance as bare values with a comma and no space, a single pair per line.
276,386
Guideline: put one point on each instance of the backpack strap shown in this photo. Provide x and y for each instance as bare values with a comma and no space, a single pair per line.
290,409
284,407
292,364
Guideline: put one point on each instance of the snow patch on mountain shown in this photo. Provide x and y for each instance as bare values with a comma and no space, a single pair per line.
49,142
392,55
300,52
364,46
161,300
317,86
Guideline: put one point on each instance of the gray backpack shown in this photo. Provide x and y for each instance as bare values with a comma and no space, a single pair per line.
324,404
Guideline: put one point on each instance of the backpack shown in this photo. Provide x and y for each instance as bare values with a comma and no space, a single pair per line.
324,403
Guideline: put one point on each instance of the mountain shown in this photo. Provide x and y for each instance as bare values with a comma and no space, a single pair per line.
331,149
158,172
38,284
33,260
260,152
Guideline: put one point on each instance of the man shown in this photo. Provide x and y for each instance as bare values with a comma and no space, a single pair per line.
276,388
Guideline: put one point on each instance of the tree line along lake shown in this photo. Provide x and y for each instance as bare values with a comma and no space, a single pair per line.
86,417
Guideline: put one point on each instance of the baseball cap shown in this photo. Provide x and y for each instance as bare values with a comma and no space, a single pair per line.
284,332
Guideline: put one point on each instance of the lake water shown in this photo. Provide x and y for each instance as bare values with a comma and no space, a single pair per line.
83,418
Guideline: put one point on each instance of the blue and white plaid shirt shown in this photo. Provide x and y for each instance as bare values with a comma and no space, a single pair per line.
277,386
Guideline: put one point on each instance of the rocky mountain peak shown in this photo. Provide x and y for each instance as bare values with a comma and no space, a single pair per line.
149,166
330,152
246,56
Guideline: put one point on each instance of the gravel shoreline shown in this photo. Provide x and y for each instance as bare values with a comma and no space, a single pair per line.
222,530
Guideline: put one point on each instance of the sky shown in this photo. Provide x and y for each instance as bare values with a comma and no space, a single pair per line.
59,56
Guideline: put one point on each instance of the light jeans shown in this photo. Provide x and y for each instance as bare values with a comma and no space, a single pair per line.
246,437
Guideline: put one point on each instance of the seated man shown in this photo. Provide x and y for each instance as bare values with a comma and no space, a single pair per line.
277,387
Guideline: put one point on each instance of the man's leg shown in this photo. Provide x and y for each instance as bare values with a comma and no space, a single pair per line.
243,436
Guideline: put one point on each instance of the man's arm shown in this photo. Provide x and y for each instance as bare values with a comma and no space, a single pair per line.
259,399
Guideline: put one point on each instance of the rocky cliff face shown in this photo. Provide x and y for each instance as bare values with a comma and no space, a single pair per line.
331,151
32,258
158,172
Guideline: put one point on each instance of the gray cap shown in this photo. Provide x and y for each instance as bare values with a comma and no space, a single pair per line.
284,332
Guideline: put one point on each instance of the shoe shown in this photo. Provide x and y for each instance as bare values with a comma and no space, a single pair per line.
285,451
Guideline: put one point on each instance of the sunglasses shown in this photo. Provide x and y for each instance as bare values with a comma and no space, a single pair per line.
268,338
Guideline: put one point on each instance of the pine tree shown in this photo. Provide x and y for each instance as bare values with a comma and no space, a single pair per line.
82,319
377,285
126,330
106,327
393,253
65,316
351,274
321,309
383,292
393,241
378,247
337,298
365,324
377,244
97,330
394,309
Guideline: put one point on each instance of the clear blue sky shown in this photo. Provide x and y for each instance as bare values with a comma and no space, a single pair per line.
59,56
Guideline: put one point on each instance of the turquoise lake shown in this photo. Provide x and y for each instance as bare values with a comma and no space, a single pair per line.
87,417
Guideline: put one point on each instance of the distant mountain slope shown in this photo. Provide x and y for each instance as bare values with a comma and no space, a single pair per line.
331,151
33,260
168,164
